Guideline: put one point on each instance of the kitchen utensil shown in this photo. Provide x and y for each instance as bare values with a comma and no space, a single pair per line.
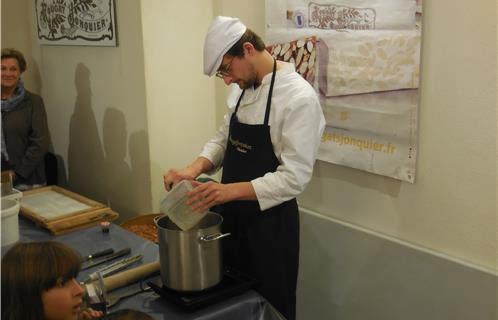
174,205
130,276
96,292
97,254
190,260
115,267
113,256
113,299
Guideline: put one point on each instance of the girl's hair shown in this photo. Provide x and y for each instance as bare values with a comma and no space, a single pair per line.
29,269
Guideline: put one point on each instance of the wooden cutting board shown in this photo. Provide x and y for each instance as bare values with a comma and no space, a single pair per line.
61,211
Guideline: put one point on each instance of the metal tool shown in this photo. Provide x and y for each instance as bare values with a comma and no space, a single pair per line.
113,299
97,254
114,267
96,292
118,254
96,295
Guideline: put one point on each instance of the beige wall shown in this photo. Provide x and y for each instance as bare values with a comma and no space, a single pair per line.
180,99
95,101
15,17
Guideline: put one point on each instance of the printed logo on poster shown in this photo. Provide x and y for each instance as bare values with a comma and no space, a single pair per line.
76,22
299,19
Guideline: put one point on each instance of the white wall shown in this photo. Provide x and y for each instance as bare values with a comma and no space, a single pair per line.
180,99
350,273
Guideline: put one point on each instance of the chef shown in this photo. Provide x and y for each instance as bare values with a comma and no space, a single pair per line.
267,147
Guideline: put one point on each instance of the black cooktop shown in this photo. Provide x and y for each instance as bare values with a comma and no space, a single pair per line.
232,284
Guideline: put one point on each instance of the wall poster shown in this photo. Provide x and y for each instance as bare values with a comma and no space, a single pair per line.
363,59
76,22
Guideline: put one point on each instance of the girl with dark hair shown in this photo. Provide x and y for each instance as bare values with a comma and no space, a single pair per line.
39,283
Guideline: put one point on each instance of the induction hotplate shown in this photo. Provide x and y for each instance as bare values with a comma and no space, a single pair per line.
233,283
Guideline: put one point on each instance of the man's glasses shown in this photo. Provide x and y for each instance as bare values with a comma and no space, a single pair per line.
224,71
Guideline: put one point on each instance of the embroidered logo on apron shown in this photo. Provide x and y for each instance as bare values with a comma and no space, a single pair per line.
240,146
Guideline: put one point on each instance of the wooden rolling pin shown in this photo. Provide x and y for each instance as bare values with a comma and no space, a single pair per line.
129,276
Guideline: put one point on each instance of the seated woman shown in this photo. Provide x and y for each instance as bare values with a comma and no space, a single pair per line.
24,125
39,282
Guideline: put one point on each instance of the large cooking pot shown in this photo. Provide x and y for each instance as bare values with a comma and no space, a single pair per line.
190,260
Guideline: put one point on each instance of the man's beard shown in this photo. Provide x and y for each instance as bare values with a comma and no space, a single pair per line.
246,84
251,82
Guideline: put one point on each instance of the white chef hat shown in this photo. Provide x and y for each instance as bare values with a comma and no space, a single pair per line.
223,33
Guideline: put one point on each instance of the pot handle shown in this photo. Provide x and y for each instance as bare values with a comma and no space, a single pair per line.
157,218
213,237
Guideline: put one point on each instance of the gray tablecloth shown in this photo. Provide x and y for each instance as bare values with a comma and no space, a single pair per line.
249,305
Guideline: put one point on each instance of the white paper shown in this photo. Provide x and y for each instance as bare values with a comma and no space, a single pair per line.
51,204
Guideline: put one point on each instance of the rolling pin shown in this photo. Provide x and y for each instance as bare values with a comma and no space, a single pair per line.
129,276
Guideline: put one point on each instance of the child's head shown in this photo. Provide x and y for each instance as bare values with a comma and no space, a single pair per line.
38,282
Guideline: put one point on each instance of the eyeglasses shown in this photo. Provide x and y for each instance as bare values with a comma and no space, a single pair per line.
224,71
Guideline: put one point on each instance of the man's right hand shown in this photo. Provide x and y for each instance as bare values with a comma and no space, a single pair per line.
173,176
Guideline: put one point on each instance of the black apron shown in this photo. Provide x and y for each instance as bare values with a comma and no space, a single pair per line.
263,244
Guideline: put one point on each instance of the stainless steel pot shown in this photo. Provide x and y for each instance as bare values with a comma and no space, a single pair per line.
190,260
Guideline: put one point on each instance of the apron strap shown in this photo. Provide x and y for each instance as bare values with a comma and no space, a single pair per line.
268,101
238,102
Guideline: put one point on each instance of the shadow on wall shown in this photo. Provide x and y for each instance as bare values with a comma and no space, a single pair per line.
85,160
101,172
127,189
140,171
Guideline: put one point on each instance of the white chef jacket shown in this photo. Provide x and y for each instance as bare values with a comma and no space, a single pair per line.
296,126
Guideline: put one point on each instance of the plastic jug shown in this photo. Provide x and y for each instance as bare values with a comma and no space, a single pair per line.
177,210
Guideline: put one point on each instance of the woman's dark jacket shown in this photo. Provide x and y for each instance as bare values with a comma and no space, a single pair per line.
26,138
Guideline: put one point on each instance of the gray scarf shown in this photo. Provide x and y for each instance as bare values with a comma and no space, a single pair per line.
9,105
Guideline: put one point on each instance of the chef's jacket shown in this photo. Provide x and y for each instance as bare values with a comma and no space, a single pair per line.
296,126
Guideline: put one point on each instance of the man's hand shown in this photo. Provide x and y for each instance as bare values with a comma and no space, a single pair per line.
210,194
174,176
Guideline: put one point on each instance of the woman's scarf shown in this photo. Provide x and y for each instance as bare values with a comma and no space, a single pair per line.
17,97
9,105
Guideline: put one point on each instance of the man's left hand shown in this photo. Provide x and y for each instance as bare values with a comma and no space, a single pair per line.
210,194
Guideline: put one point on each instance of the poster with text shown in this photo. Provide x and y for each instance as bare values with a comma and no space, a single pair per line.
76,22
363,59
